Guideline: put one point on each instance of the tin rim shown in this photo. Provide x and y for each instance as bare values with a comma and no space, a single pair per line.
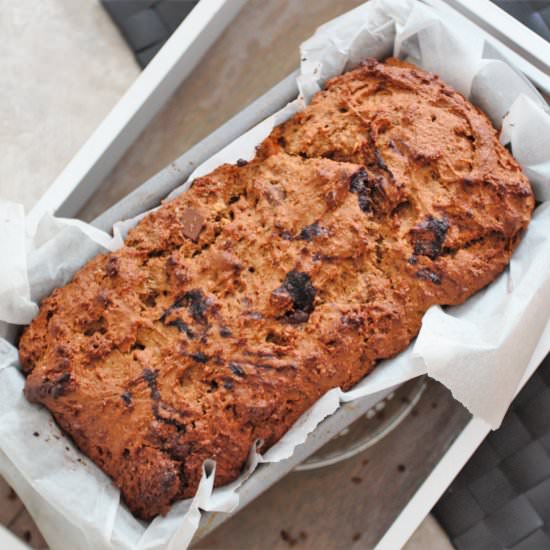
374,429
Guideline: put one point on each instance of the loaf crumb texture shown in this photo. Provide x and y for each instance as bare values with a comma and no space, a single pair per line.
232,308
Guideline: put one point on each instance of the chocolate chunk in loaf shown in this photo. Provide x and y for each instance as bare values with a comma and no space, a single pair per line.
234,307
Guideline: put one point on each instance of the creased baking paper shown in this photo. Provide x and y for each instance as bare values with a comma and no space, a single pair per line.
480,350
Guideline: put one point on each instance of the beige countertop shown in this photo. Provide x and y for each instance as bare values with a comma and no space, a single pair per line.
64,67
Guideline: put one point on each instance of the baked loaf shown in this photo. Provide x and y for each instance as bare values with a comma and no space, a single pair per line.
232,308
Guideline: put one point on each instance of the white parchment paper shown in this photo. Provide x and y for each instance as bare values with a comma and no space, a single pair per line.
479,350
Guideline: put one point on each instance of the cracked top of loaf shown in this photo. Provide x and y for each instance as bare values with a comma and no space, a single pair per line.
232,308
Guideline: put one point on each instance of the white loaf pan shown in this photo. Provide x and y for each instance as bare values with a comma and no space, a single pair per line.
93,162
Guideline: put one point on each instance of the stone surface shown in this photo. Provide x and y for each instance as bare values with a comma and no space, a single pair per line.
63,66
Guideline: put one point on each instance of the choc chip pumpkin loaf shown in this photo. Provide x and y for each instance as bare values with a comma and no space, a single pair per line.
234,307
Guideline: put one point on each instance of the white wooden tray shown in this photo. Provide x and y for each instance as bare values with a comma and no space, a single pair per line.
94,161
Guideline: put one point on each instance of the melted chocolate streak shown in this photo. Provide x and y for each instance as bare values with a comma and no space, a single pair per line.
182,327
157,405
378,156
55,388
308,233
311,231
298,286
199,357
428,275
237,369
431,245
366,189
127,398
196,304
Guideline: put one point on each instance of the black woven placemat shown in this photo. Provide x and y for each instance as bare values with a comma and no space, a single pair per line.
533,14
501,498
147,24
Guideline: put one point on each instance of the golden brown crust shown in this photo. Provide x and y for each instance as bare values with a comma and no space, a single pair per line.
234,307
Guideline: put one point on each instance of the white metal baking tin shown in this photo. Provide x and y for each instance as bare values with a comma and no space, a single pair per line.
93,162
150,91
